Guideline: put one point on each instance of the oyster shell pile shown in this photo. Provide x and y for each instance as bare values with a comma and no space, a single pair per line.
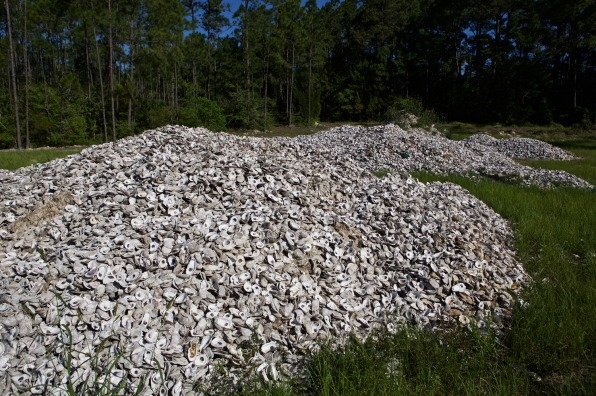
481,138
149,262
384,147
522,148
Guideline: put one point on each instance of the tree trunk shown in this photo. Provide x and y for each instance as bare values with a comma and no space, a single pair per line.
291,107
194,61
53,70
103,99
208,64
497,44
574,80
426,82
88,61
46,102
176,105
245,38
111,69
15,95
309,82
214,79
26,68
287,93
266,89
131,71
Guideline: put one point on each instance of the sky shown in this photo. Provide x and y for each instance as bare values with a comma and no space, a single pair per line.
234,4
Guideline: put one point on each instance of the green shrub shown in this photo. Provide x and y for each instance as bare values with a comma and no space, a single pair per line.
202,112
123,130
246,111
156,115
402,108
581,119
7,136
70,131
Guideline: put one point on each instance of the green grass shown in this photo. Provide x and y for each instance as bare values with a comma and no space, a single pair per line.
413,362
381,174
14,159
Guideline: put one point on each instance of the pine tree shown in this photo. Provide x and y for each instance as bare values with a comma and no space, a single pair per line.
212,21
11,56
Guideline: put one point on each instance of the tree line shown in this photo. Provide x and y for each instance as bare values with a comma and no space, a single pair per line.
80,71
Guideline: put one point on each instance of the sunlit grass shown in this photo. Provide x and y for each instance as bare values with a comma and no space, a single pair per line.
14,159
555,132
410,362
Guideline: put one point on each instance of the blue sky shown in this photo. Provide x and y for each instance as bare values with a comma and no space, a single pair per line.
234,4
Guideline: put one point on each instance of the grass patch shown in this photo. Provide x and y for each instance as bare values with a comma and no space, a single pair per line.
414,362
381,174
14,159
458,130
410,362
585,145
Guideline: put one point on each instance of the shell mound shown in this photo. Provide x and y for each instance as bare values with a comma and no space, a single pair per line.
522,148
180,250
481,138
384,147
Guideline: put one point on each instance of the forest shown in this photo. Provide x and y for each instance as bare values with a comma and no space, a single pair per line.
90,71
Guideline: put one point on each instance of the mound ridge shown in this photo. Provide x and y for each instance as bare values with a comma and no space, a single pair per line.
522,148
381,147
